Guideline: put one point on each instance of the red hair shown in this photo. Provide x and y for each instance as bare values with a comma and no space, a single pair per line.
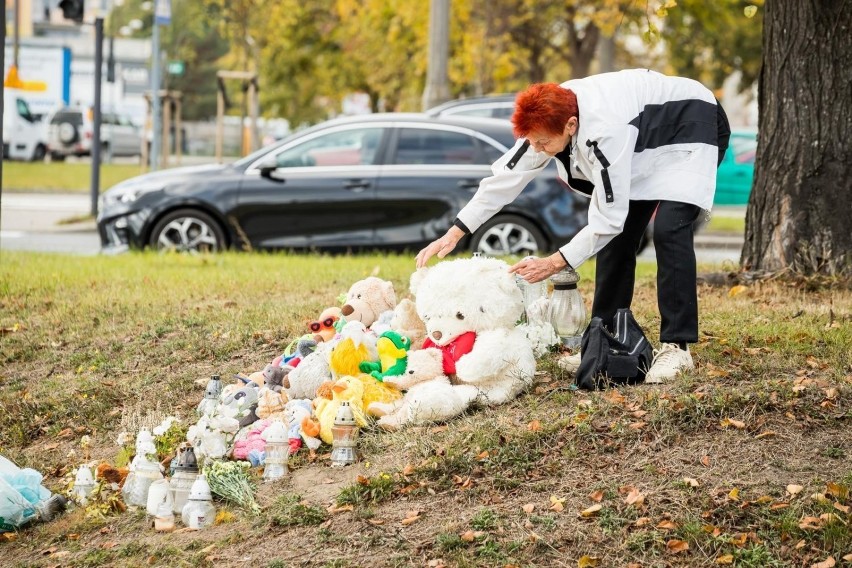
544,107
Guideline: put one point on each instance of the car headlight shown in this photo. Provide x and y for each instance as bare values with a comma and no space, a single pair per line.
128,194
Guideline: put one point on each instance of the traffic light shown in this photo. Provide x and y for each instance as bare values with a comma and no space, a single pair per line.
72,10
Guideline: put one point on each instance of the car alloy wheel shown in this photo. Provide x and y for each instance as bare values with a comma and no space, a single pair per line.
508,235
187,231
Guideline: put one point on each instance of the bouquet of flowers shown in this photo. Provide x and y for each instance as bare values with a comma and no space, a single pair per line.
230,480
212,434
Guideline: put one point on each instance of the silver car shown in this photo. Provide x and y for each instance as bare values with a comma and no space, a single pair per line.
71,132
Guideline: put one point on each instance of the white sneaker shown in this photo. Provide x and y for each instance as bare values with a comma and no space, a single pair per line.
569,363
669,360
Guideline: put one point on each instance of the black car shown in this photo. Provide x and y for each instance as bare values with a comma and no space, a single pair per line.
381,181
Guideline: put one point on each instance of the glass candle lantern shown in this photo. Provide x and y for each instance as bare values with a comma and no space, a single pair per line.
277,450
211,396
534,297
136,486
344,435
186,471
164,520
84,484
199,511
567,310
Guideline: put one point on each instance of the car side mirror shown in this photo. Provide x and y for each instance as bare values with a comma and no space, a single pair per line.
268,168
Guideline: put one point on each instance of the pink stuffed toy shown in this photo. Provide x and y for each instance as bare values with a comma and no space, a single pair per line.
252,441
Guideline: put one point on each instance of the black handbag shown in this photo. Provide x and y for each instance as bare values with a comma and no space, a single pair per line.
613,359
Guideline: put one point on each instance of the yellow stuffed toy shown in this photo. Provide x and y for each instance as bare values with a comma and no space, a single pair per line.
355,346
345,389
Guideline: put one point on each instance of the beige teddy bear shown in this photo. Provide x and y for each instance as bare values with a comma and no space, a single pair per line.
367,299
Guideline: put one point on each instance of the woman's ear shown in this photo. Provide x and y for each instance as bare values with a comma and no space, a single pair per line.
571,126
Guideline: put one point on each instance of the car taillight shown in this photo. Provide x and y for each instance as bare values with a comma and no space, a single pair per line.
88,134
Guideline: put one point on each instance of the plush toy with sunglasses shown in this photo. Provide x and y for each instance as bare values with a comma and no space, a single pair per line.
324,327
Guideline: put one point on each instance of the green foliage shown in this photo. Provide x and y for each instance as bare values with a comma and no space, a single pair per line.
708,41
291,511
368,490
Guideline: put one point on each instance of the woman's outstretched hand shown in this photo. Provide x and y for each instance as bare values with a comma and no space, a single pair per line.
441,246
537,269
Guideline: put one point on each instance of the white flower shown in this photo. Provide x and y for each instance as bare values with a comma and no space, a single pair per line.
164,426
541,335
124,438
214,444
225,424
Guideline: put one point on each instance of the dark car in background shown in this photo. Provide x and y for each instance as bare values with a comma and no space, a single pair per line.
381,181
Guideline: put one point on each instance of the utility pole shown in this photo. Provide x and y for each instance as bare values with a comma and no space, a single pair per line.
96,119
437,80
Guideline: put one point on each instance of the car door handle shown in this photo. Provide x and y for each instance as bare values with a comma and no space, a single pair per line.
356,185
468,184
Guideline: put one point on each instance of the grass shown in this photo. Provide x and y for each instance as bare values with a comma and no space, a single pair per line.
93,346
725,225
63,176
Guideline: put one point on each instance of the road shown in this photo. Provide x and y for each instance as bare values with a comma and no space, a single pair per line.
33,222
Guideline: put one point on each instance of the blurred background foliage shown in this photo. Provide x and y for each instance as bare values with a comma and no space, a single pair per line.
310,54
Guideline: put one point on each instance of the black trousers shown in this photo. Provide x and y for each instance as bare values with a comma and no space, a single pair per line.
677,294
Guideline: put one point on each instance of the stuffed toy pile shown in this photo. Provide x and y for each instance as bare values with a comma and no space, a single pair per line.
424,359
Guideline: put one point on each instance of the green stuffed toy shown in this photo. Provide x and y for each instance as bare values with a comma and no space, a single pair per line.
393,356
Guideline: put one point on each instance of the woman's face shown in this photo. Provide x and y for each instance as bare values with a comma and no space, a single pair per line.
552,144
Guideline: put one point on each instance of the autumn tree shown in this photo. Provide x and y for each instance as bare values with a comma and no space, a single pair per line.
799,209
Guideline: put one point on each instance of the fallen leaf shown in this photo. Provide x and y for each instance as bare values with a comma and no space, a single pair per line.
801,544
641,521
528,508
60,554
107,545
738,424
827,563
207,549
716,372
375,522
72,536
634,497
794,489
410,517
467,536
483,455
705,461
334,509
778,506
588,562
841,508
740,539
675,546
534,426
810,523
725,559
591,511
10,536
848,557
765,434
556,504
408,469
637,425
734,494
666,525
736,290
763,500
596,496
691,481
837,490
438,429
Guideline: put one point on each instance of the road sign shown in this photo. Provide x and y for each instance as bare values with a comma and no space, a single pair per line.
163,12
176,67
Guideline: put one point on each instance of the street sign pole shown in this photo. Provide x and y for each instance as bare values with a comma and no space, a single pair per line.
162,17
154,154
96,135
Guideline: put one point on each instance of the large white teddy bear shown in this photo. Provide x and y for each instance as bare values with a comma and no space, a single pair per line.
470,308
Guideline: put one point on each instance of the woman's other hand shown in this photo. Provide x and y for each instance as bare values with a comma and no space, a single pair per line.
441,246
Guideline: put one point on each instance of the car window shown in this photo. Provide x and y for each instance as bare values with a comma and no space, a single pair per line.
492,154
354,147
504,112
486,112
24,110
428,146
744,149
75,118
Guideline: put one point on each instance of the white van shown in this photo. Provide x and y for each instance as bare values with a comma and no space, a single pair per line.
24,136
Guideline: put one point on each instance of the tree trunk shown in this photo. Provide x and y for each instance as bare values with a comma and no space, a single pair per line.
800,207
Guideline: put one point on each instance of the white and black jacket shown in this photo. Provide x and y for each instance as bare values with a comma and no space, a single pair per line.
642,136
